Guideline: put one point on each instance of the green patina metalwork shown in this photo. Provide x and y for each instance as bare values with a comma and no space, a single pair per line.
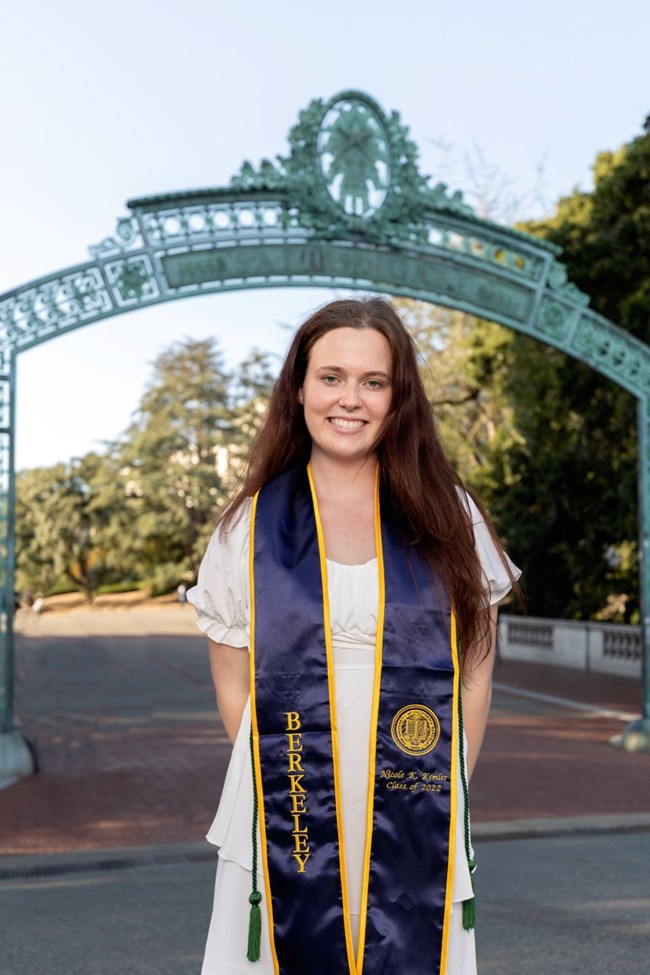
346,207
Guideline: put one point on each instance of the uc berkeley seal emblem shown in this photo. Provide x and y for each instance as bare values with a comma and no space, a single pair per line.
415,729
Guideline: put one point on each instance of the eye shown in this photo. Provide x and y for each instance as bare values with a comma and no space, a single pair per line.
375,384
330,380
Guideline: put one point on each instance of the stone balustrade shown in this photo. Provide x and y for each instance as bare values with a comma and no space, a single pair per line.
606,648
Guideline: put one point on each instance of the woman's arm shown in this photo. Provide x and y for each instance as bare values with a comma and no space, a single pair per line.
230,672
477,695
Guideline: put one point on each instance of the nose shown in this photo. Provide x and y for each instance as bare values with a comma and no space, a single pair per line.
350,397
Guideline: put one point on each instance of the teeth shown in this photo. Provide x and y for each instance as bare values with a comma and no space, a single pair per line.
338,421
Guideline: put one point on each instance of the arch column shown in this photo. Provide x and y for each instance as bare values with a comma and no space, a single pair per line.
16,758
636,736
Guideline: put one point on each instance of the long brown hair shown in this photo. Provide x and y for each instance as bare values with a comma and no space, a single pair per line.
427,492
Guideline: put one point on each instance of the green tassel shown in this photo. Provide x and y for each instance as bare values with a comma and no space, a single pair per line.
255,919
469,913
254,927
469,906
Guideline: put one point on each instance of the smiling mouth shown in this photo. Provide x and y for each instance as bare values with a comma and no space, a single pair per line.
343,424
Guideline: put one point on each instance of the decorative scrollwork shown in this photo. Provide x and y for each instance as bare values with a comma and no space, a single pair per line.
554,318
127,237
267,177
558,280
354,155
484,248
351,177
615,353
133,280
57,303
352,169
440,198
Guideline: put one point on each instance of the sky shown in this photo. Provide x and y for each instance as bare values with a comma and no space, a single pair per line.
106,101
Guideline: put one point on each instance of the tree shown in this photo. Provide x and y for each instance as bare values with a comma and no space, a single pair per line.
143,511
463,362
549,444
178,460
59,525
570,498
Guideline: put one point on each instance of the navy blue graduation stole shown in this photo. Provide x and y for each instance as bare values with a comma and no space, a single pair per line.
412,789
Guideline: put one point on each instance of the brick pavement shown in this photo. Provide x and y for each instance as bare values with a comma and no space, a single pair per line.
131,752
542,761
129,746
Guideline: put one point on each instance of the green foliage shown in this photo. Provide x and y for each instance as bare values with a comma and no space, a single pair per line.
144,509
605,235
465,365
59,524
549,444
167,461
567,493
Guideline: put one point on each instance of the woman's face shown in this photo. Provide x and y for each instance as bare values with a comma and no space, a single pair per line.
347,392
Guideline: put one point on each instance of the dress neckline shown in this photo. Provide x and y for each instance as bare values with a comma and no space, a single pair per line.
351,565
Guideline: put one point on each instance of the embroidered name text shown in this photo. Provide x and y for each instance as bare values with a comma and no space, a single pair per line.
297,791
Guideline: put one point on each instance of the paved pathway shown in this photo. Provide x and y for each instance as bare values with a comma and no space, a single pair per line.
129,746
131,751
541,760
104,852
565,905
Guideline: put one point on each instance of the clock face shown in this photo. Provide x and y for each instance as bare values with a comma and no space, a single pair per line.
354,157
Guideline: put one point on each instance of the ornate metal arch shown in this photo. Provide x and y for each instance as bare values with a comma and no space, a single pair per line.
348,207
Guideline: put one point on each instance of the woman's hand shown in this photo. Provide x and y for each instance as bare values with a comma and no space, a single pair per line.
230,668
477,694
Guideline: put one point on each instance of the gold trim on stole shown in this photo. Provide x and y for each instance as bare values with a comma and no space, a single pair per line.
355,966
335,736
372,763
453,798
256,740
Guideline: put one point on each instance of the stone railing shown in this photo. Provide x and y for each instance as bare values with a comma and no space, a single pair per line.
607,648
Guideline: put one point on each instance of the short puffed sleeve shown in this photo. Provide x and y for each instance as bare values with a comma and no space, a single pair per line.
496,579
221,596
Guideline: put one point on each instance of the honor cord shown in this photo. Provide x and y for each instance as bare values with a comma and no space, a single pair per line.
469,905
255,919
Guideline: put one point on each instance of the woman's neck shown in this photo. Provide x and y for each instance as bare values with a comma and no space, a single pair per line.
334,479
345,495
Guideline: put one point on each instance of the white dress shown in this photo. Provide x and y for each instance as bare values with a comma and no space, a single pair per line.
221,599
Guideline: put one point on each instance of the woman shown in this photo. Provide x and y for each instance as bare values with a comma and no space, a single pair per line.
352,565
